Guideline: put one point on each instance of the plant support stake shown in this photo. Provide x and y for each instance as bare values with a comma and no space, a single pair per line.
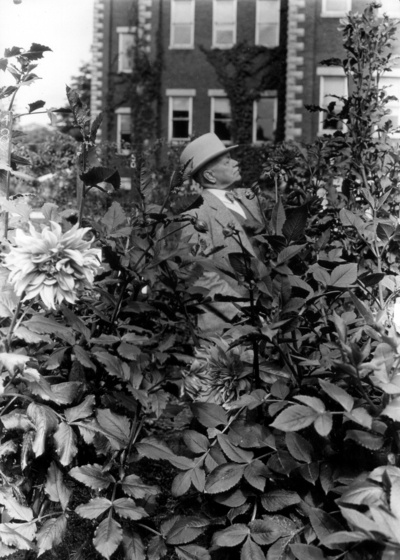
5,160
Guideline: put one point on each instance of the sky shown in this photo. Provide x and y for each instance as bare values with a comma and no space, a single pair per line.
66,27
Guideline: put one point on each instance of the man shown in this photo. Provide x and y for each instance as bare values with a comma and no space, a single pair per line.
210,164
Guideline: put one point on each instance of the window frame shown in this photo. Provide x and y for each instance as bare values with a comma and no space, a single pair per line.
171,34
172,94
334,13
121,112
216,45
215,94
268,94
329,72
257,30
121,32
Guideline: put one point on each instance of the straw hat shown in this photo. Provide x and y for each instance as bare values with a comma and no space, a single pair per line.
202,150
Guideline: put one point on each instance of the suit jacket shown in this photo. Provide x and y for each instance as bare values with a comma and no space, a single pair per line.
216,215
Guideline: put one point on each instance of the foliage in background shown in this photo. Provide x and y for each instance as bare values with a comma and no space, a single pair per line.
300,457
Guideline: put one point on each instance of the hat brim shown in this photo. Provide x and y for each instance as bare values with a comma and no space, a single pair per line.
214,156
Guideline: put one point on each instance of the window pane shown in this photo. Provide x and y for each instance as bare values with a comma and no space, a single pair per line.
181,104
222,130
268,11
268,35
336,5
390,7
125,124
333,85
224,36
126,52
180,129
265,119
182,35
222,108
182,11
224,11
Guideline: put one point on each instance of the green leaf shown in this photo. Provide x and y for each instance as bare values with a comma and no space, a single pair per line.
196,442
55,487
14,509
323,523
95,126
365,439
340,326
295,224
46,325
45,421
240,263
251,551
209,414
75,322
198,478
94,508
231,536
35,52
338,394
65,439
116,425
13,361
107,537
299,447
181,483
52,533
16,421
289,252
233,452
19,535
282,462
256,474
134,486
182,530
223,478
264,531
8,448
232,498
92,476
65,393
36,105
80,411
341,537
392,410
114,217
307,552
133,545
126,507
114,365
192,552
278,217
344,275
294,418
323,424
313,402
154,449
279,499
156,548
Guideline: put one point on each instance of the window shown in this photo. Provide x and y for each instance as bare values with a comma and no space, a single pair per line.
390,8
335,8
124,130
267,22
330,84
182,24
224,23
393,89
221,118
265,113
126,39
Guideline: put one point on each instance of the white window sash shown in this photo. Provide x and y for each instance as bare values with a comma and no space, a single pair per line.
275,24
121,112
270,95
335,13
122,32
172,44
170,118
323,92
212,116
227,25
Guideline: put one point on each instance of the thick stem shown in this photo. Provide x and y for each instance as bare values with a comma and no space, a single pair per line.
13,322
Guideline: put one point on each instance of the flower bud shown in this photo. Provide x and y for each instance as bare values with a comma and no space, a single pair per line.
200,226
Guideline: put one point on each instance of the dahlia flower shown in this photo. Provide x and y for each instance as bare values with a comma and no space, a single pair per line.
218,374
52,264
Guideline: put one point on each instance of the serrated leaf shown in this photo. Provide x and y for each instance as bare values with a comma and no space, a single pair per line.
323,424
14,509
299,447
365,439
83,357
114,217
198,477
7,448
344,275
94,508
282,462
223,478
392,410
36,105
231,536
294,418
181,483
310,471
279,499
45,421
264,531
156,548
307,552
126,507
295,223
36,51
338,394
184,529
251,551
134,486
65,439
55,487
256,474
133,545
192,552
65,393
92,476
52,533
82,410
313,402
116,425
13,361
107,537
209,415
233,452
341,537
16,421
196,442
19,535
154,449
278,217
323,523
46,325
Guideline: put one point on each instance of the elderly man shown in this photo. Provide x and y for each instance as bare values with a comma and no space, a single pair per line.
210,164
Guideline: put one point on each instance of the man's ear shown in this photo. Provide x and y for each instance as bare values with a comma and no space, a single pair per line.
209,176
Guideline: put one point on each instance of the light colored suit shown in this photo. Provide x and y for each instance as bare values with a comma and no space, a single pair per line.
217,216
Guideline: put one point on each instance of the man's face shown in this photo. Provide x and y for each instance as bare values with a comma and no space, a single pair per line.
225,171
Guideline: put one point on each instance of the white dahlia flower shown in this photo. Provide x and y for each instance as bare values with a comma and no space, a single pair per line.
52,264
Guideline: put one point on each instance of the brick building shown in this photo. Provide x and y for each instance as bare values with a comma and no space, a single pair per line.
293,36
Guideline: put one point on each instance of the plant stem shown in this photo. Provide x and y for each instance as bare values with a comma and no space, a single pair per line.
149,529
13,322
